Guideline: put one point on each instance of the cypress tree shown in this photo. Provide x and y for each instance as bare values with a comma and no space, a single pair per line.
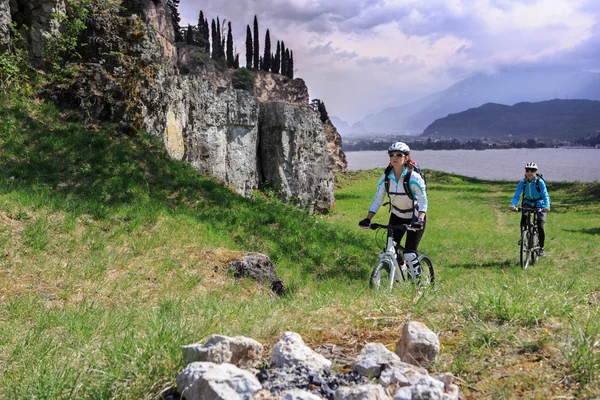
322,111
206,36
277,60
249,52
203,34
189,35
218,41
230,59
201,29
256,51
267,56
290,73
215,41
175,18
284,61
236,61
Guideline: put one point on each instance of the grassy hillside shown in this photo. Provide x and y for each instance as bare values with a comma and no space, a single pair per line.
112,256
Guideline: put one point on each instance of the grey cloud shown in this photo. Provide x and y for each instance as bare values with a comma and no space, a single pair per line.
328,50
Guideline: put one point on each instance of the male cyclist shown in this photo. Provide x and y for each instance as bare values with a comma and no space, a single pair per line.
406,208
535,195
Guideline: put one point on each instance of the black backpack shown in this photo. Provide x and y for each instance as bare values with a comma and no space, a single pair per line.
405,182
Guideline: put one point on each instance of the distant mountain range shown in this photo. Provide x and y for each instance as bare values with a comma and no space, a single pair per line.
510,86
552,119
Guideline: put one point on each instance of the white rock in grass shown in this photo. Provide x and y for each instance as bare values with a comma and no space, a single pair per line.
426,388
299,394
375,358
418,344
210,381
239,350
291,352
401,376
363,392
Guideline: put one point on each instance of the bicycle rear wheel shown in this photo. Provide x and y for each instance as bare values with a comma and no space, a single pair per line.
381,274
427,277
525,249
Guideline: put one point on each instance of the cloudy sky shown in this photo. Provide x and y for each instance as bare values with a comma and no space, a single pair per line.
359,56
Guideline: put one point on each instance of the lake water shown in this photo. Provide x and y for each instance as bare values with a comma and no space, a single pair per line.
562,164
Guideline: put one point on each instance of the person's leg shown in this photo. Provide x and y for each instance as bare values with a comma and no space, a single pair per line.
540,224
396,220
413,238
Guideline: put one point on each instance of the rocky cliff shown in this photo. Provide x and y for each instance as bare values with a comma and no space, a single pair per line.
133,73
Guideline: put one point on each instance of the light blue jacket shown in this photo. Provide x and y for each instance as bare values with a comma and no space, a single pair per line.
533,197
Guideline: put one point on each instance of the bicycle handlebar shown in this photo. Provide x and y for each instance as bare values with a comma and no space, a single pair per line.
525,209
401,227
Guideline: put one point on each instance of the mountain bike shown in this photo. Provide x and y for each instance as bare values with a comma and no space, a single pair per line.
392,265
530,242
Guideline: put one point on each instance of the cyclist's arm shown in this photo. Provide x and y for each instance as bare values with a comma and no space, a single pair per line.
378,199
545,195
417,186
515,199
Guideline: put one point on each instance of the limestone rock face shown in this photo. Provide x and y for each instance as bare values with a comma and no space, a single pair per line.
39,15
134,74
4,24
337,158
294,156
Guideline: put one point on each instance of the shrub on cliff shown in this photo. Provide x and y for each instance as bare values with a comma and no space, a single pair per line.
242,79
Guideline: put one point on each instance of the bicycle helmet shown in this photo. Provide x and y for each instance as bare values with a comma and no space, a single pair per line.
531,165
399,146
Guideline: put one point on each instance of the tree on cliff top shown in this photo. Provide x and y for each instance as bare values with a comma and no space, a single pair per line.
203,32
276,62
256,51
249,51
267,57
290,72
230,57
173,5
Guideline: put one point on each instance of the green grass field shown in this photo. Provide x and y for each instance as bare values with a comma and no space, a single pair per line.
112,256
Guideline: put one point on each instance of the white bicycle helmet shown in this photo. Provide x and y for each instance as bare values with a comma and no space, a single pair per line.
399,146
531,165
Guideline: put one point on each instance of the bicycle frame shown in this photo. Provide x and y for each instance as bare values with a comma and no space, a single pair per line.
392,261
390,256
529,231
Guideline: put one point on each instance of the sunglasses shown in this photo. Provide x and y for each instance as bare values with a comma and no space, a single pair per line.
397,155
530,170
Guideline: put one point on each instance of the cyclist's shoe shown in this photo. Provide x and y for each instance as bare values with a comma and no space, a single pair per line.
541,253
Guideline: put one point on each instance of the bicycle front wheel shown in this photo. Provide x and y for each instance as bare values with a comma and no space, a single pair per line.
525,249
534,246
381,273
427,274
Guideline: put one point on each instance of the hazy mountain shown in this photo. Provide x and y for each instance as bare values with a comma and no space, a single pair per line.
507,87
552,119
347,130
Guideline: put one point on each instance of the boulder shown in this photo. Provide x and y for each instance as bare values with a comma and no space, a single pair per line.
291,352
374,358
258,267
418,344
239,350
210,381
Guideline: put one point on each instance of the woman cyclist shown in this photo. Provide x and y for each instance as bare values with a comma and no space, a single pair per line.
404,210
535,195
